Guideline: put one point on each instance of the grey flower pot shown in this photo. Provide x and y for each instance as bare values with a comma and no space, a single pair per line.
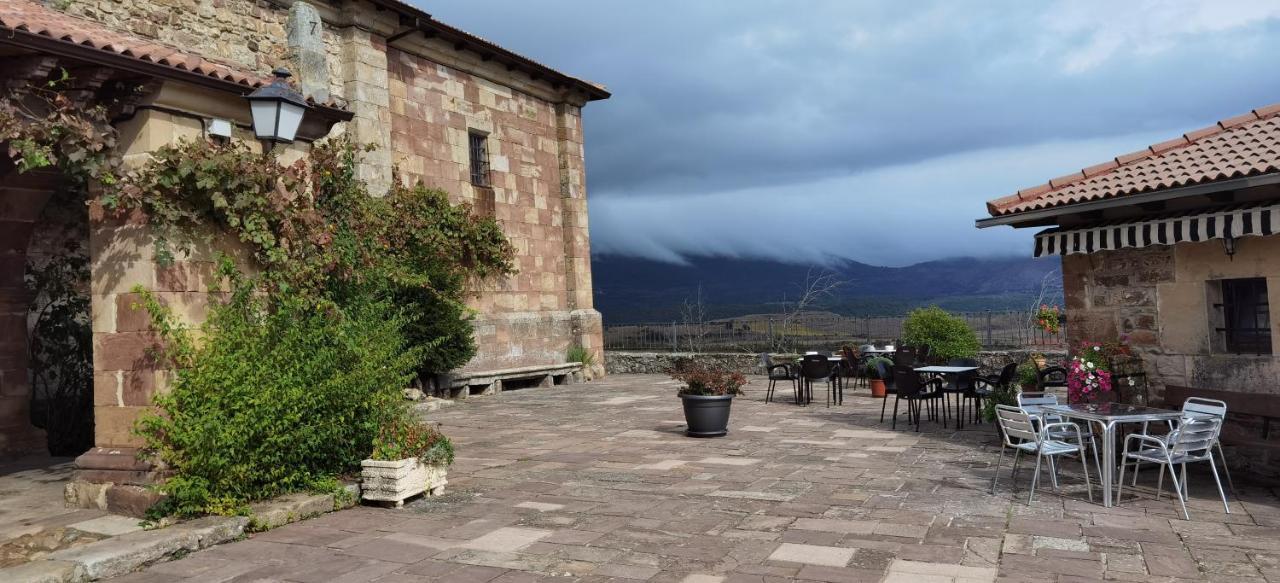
707,415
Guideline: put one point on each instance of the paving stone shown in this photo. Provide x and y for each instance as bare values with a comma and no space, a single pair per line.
44,572
506,539
812,555
615,492
110,525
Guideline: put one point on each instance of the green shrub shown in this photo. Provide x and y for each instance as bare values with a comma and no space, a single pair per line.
582,355
947,336
872,367
272,402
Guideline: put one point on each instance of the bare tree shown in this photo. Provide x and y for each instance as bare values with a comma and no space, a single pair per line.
693,315
816,287
1050,287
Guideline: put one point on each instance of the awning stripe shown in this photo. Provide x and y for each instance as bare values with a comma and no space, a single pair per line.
1238,221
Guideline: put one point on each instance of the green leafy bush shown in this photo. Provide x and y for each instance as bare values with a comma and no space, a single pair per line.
582,355
872,368
946,335
273,401
317,234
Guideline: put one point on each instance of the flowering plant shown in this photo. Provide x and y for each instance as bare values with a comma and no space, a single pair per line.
1089,372
1049,318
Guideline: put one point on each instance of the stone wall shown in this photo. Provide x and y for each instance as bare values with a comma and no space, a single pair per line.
1159,298
416,101
746,363
536,194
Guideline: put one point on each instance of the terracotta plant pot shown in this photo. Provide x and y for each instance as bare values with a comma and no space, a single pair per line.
707,415
396,481
877,388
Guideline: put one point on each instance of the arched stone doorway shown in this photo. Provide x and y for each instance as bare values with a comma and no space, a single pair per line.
22,199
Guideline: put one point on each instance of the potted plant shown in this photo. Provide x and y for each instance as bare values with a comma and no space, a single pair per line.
876,369
409,457
707,395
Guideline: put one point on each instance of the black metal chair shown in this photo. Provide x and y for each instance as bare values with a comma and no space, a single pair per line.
958,384
814,367
905,356
1051,377
984,386
779,372
918,393
890,388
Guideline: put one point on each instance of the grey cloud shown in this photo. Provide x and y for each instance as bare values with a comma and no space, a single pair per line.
727,115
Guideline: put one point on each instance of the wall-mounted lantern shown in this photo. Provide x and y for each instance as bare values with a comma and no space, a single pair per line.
1229,245
277,110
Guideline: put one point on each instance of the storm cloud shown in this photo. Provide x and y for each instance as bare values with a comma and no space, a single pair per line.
873,131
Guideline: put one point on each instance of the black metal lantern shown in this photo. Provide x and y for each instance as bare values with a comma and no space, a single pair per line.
277,109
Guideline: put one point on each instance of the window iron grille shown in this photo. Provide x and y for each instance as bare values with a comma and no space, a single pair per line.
479,146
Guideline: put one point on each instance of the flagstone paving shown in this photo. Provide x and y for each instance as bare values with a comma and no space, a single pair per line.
596,482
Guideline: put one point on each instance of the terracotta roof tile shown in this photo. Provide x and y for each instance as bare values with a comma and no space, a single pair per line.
1244,145
38,19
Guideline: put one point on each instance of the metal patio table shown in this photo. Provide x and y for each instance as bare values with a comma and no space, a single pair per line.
1108,416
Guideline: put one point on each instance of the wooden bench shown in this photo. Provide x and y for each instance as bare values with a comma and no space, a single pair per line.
1238,403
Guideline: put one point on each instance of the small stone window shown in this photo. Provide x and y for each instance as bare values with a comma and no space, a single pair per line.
479,145
1242,316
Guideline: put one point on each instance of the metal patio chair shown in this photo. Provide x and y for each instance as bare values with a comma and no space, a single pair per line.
814,367
1208,407
779,372
1021,435
1031,402
1191,442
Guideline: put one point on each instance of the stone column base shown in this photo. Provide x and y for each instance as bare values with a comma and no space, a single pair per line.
22,440
115,480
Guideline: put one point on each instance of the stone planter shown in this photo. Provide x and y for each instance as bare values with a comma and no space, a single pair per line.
399,480
707,415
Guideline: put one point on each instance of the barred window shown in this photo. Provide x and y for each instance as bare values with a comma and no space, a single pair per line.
1245,316
479,159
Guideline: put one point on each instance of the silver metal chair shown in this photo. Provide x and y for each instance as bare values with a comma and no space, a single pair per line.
1032,402
1192,441
1021,435
1204,406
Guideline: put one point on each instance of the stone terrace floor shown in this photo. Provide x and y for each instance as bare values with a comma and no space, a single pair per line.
597,482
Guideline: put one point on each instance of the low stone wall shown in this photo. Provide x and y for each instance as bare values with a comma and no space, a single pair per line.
746,363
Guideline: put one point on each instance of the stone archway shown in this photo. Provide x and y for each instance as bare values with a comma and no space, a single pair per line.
22,200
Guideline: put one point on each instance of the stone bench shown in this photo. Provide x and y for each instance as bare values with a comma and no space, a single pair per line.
462,384
1264,406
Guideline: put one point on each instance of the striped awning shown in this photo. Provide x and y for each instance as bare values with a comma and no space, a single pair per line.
1230,222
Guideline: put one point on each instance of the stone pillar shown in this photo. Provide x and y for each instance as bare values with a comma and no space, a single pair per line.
307,51
364,79
585,320
24,198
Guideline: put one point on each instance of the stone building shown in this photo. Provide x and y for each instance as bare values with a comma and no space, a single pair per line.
1174,248
447,108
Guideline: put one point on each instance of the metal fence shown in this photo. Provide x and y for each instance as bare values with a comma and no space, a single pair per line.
814,331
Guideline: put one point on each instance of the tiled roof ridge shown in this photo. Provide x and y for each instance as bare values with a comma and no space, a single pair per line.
1001,206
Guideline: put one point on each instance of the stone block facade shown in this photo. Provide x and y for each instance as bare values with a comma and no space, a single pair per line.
536,192
415,88
1161,299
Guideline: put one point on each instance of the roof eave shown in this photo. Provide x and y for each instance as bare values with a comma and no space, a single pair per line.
425,22
1042,217
71,50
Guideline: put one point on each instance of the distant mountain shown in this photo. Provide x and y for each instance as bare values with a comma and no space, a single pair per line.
629,290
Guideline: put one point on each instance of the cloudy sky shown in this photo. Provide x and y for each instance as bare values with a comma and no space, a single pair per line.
869,130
